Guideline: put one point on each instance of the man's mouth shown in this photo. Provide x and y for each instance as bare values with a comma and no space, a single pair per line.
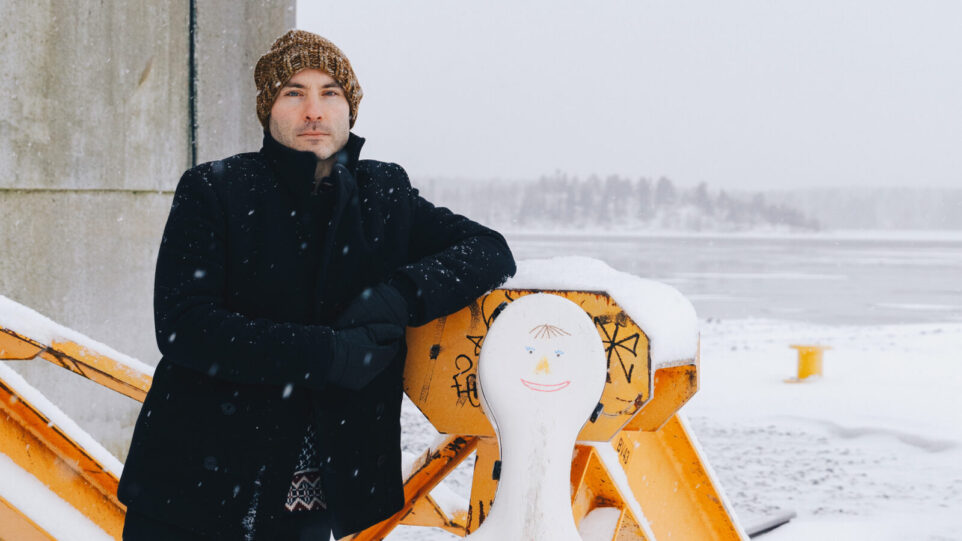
545,388
313,134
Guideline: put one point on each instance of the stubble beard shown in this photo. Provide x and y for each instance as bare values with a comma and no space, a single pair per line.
328,146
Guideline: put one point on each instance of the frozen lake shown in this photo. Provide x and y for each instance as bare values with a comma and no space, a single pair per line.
816,279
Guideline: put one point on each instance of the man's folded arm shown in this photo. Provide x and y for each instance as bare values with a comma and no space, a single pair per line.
453,260
196,330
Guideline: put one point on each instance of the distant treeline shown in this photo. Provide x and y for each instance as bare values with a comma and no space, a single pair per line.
877,208
563,202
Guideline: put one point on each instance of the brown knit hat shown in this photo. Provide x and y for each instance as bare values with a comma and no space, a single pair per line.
297,50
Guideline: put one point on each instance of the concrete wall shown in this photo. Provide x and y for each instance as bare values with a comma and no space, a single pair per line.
94,94
227,118
94,134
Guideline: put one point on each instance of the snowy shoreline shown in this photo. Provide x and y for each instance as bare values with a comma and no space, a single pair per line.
529,234
872,450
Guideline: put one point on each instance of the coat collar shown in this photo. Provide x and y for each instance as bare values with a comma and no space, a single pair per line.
296,167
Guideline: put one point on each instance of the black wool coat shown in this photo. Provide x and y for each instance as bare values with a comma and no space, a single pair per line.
253,267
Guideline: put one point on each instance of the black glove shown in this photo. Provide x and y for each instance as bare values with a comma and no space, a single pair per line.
379,304
361,353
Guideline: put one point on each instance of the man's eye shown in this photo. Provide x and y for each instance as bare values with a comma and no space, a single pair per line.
292,93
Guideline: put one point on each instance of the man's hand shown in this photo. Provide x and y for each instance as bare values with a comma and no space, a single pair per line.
361,353
379,304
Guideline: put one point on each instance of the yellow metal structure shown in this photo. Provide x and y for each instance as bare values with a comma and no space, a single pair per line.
419,509
441,378
674,385
37,445
484,483
78,359
41,448
637,417
592,487
809,361
672,484
14,525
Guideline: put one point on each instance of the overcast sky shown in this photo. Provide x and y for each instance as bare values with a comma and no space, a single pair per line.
736,94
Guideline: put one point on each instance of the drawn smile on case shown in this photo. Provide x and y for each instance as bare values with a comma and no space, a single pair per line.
545,388
543,367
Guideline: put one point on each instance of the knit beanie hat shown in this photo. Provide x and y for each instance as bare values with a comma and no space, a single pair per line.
293,52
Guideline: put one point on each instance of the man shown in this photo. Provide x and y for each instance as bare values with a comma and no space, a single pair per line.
285,279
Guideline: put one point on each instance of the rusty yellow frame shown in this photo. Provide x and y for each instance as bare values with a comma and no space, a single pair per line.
79,359
41,448
665,472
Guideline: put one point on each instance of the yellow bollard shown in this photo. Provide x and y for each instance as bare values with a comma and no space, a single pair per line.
809,362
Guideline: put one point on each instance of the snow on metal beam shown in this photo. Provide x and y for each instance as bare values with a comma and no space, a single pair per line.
26,334
59,464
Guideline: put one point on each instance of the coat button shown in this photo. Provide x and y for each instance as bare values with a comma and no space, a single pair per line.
379,410
380,460
210,463
228,408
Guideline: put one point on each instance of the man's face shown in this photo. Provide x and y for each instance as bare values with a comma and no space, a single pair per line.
311,113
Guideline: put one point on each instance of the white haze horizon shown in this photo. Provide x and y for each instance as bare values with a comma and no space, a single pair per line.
740,95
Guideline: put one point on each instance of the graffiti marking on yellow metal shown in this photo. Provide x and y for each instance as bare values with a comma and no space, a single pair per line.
441,373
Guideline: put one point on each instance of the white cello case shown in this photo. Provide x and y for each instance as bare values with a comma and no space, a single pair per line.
541,373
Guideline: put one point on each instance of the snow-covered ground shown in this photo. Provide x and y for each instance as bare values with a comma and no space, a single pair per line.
873,450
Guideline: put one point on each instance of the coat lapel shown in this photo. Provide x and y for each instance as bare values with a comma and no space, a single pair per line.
345,248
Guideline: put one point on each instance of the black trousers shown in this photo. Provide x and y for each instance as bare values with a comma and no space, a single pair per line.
298,526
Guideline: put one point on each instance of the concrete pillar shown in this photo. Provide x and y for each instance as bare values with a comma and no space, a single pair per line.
230,37
95,131
94,94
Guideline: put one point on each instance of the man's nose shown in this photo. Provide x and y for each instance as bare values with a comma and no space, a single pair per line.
312,108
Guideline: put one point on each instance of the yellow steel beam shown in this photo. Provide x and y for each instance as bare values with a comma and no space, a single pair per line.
674,385
433,466
16,347
99,368
15,526
670,480
582,498
484,483
628,529
426,512
592,487
41,448
78,359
